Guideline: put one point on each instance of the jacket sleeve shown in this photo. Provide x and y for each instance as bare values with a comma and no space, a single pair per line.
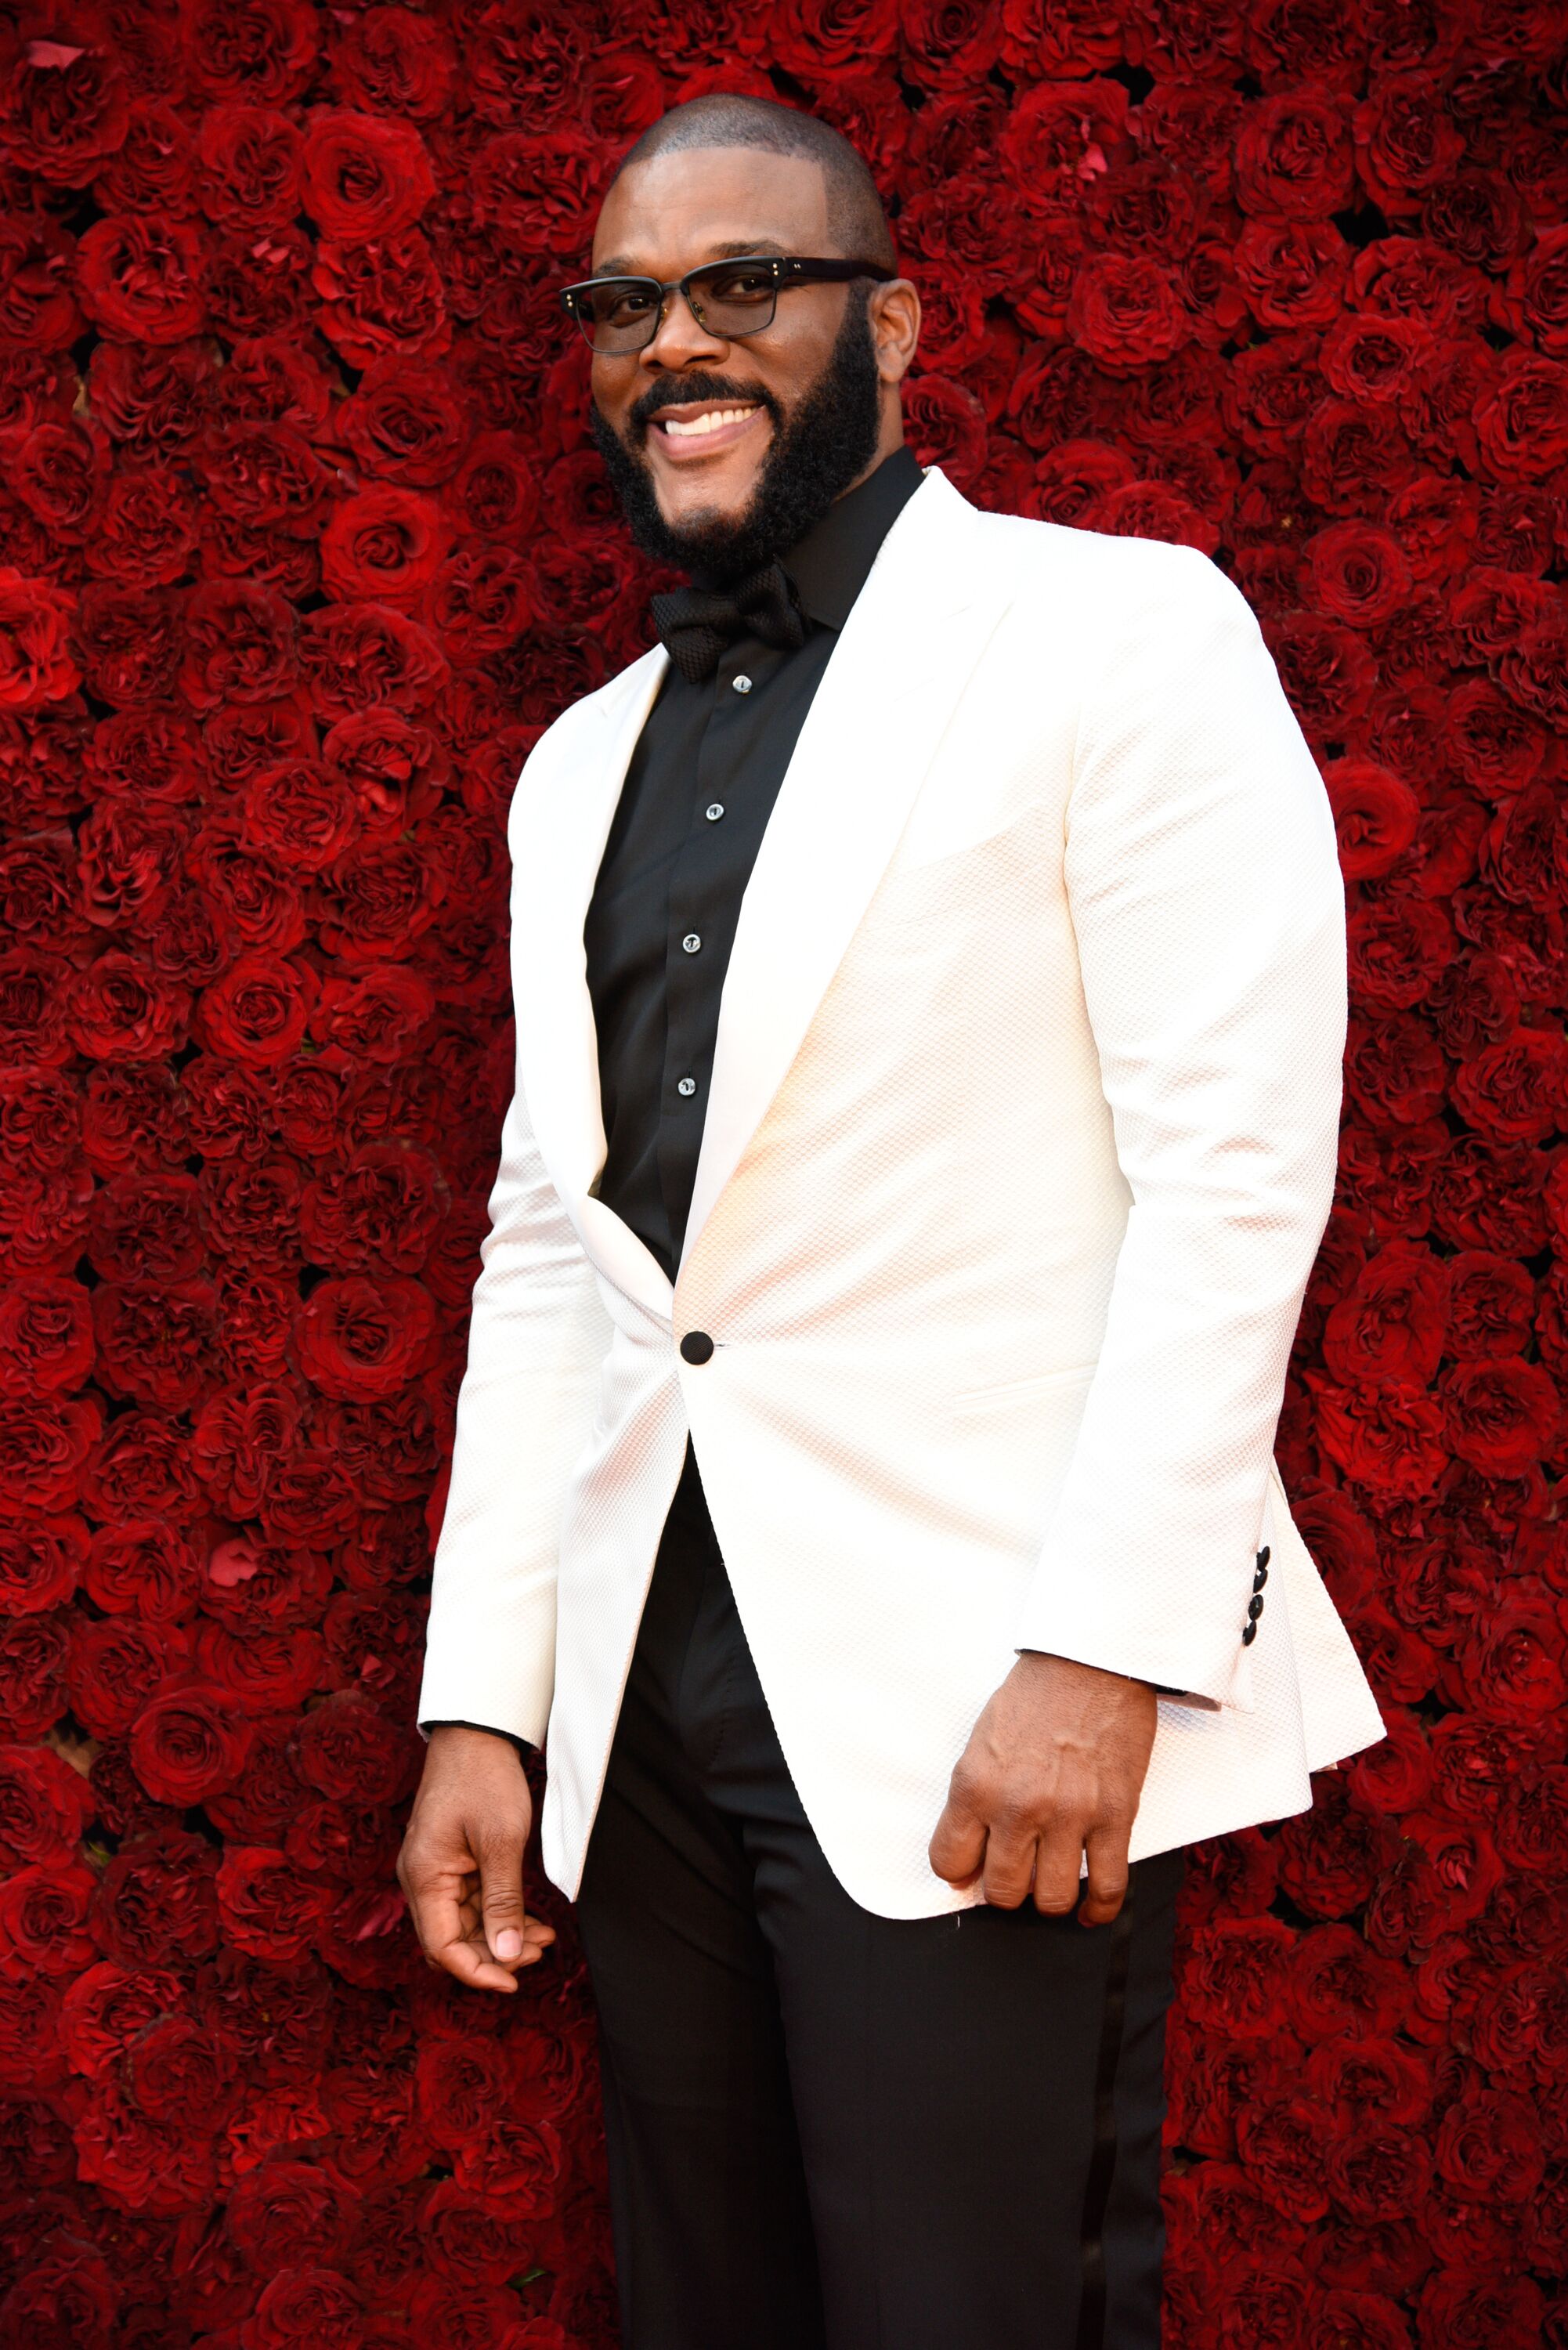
524,1410
1208,907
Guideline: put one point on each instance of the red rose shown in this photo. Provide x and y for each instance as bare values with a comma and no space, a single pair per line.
361,653
44,1917
1126,310
259,1010
258,49
395,63
365,175
266,1907
141,278
63,112
1294,159
248,167
298,817
387,544
405,421
382,296
36,662
359,1339
188,1743
1391,1325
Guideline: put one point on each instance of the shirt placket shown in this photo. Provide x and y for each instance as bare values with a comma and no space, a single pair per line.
705,888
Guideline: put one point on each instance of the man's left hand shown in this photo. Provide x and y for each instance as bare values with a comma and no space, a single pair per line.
1053,1768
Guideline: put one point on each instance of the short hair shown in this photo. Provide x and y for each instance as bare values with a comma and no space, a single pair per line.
857,217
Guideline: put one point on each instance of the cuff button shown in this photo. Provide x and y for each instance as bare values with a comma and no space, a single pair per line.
1249,1634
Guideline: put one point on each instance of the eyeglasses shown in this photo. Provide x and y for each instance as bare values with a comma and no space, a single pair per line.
618,315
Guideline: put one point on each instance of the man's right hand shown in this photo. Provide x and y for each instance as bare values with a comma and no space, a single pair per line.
461,1865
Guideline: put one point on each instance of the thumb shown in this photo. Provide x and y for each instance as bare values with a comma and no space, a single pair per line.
500,1895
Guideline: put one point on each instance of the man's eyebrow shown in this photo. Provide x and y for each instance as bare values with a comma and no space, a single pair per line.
622,264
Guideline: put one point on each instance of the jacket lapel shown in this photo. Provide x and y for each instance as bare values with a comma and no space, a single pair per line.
906,653
563,822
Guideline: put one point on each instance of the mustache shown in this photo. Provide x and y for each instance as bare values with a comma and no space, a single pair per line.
674,390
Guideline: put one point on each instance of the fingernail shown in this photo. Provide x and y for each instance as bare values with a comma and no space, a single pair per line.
509,1943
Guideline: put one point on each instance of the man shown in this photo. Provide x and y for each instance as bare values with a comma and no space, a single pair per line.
929,977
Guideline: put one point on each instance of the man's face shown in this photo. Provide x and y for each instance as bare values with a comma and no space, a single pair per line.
662,218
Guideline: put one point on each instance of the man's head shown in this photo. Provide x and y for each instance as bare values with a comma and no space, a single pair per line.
810,403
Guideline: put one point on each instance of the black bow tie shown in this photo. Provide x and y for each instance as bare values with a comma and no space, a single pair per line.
697,623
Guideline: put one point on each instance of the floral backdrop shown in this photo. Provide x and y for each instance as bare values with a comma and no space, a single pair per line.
300,545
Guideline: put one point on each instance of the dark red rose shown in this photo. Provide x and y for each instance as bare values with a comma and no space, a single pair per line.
405,423
381,297
141,279
43,1805
395,64
63,111
388,544
256,49
1390,1326
45,1335
188,1743
1523,424
365,175
361,653
248,167
240,645
36,661
268,1910
144,1568
259,1010
299,816
360,1340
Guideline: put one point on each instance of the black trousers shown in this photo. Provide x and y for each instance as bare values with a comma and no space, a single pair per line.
829,2130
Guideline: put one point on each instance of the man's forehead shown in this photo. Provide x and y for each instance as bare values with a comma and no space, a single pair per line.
704,203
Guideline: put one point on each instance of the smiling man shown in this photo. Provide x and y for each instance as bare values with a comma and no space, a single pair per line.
928,965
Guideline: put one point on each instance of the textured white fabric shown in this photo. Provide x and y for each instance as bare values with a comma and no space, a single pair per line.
1020,1141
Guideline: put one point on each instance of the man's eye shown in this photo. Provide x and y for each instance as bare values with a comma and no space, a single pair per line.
622,305
743,285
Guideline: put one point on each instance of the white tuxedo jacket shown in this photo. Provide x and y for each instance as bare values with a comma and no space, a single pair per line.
1020,1144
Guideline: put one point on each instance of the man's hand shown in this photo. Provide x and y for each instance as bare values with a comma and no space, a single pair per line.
461,1862
1053,1768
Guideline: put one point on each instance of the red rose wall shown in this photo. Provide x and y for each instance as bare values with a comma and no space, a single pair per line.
302,546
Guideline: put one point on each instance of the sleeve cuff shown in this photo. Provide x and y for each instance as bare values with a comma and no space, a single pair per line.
524,1746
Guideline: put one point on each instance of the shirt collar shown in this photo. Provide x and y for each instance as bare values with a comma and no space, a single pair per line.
830,564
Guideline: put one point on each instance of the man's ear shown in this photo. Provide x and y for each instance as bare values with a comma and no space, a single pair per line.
895,328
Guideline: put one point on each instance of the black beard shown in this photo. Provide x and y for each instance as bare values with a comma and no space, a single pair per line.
830,439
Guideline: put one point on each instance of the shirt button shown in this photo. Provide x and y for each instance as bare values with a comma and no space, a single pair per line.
742,684
714,812
691,942
687,1086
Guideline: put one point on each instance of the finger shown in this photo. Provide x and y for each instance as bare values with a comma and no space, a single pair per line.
536,1935
468,1959
501,1897
446,1918
1107,1887
958,1846
1056,1877
1009,1866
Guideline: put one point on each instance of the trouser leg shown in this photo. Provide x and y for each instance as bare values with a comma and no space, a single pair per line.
712,2233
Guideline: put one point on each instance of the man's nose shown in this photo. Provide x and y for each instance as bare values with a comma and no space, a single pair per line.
682,340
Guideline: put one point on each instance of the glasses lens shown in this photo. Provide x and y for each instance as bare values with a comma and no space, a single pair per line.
734,298
618,314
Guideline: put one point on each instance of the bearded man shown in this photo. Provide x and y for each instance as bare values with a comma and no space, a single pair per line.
928,965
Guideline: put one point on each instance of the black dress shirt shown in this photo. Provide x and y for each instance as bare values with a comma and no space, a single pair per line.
700,788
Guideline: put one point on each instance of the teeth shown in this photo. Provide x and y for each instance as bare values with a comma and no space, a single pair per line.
709,421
